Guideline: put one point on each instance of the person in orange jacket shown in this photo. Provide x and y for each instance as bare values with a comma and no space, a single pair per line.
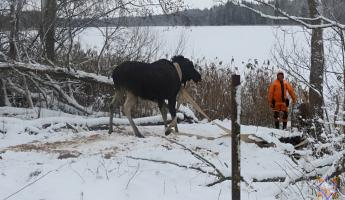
278,100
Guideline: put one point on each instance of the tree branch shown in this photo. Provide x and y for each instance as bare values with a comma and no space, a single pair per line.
173,163
197,156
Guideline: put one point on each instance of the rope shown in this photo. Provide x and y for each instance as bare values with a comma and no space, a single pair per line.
178,69
186,97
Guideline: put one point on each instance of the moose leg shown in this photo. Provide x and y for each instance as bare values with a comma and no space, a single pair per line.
172,110
180,98
111,110
130,102
117,98
163,108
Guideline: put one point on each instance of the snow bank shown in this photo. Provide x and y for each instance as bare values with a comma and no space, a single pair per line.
109,166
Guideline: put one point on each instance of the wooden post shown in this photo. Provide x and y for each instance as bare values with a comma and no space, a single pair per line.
235,136
2,93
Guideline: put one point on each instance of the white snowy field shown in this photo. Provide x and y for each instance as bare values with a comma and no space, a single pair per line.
60,163
216,43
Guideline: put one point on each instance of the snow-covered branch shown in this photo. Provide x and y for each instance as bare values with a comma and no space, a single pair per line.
199,169
285,16
57,72
70,101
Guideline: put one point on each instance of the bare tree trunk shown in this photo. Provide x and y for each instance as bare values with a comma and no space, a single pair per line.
49,8
341,32
15,10
316,68
102,50
339,114
343,80
13,31
28,94
69,48
337,109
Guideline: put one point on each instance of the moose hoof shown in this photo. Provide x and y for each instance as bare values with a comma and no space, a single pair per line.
169,130
139,135
176,130
110,132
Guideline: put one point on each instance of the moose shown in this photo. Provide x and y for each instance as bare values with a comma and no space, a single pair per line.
158,81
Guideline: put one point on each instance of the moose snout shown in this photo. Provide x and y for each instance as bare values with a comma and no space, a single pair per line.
197,77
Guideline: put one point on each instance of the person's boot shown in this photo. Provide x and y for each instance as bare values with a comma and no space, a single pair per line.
276,124
284,125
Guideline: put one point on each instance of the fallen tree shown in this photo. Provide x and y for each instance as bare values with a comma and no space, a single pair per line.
57,72
29,85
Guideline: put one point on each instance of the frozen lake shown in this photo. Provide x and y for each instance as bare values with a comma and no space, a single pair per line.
242,44
222,43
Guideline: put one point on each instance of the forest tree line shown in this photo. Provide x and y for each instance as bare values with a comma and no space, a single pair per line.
224,14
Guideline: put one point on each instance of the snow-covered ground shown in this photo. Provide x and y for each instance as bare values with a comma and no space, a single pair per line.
60,163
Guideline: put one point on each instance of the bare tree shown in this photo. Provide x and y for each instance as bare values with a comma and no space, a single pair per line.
48,9
317,63
13,32
66,87
15,10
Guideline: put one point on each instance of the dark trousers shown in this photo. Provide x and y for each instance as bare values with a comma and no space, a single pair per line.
280,116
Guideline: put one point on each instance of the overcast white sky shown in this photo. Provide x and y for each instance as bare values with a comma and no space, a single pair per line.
204,3
200,3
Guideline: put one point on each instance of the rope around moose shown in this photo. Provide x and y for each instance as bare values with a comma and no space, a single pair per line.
185,97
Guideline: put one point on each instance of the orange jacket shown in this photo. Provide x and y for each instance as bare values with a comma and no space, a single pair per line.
275,93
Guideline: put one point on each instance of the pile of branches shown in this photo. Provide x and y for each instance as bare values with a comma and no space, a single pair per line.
36,85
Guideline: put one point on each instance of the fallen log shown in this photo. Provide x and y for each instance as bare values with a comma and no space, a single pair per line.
14,126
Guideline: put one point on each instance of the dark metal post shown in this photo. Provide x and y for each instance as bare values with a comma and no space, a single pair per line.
235,136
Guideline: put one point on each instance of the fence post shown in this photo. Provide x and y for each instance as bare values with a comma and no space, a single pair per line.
235,136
